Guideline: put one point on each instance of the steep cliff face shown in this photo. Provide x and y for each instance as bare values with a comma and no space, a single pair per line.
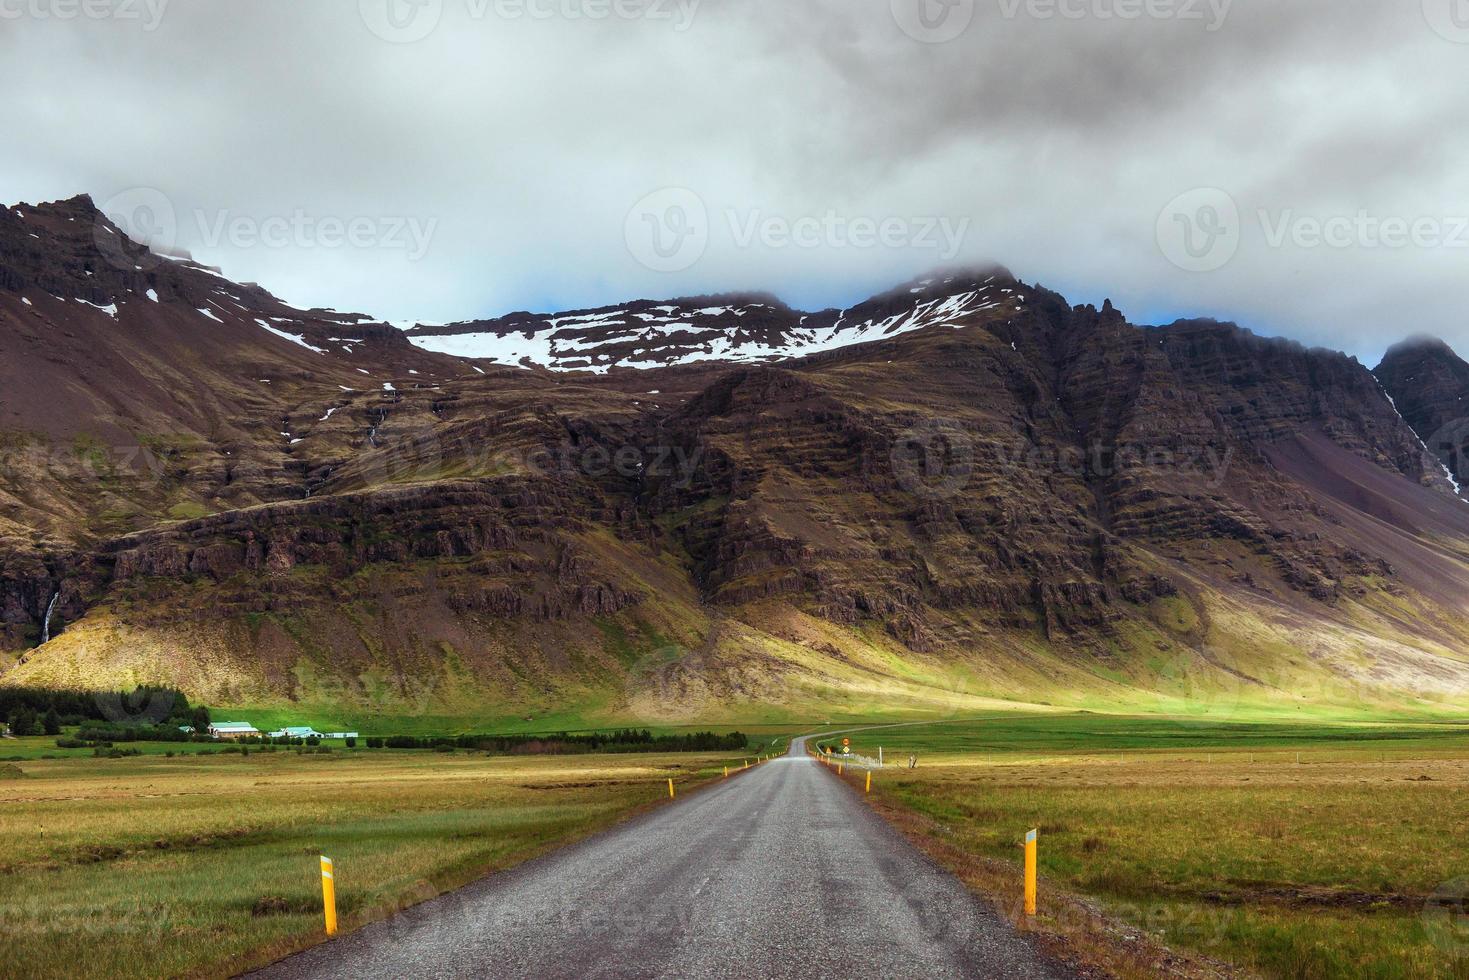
1430,385
137,389
989,494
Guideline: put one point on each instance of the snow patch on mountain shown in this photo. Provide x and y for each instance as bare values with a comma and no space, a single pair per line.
644,335
110,309
288,336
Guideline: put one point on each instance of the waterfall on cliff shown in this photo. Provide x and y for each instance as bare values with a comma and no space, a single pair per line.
46,623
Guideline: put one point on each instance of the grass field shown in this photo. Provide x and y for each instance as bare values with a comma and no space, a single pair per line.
154,866
1309,851
1312,849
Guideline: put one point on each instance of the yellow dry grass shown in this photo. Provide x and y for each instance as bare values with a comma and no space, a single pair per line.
150,866
1351,862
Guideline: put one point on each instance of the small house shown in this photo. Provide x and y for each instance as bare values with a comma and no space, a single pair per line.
232,729
296,731
341,734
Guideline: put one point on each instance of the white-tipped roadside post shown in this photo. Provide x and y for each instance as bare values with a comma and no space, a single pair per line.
329,895
1030,849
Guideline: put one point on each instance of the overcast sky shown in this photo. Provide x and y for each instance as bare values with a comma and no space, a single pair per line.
1300,167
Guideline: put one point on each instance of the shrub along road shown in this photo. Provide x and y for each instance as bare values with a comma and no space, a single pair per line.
777,872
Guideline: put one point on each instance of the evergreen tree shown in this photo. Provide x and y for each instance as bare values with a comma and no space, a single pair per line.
22,722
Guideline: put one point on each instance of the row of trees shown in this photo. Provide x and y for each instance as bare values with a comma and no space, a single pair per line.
145,706
623,740
285,740
107,734
157,714
25,721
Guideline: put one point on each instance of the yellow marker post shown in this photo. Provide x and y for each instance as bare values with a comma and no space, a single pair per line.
329,895
726,772
841,767
747,763
869,781
670,788
1030,847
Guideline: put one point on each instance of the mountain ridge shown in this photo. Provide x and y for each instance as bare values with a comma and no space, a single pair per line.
998,497
738,327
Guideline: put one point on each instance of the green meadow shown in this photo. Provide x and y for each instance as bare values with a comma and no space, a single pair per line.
1281,848
1315,850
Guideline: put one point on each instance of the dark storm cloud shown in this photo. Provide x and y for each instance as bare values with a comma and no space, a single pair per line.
1255,160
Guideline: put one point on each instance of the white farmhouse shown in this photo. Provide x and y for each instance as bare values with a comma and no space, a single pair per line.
232,729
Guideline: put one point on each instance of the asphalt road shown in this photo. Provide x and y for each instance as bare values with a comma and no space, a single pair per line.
780,871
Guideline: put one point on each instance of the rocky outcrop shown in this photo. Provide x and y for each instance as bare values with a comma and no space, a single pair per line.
526,526
1429,383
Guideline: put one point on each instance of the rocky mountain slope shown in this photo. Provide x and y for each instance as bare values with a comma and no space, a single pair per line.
731,328
961,492
1429,383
